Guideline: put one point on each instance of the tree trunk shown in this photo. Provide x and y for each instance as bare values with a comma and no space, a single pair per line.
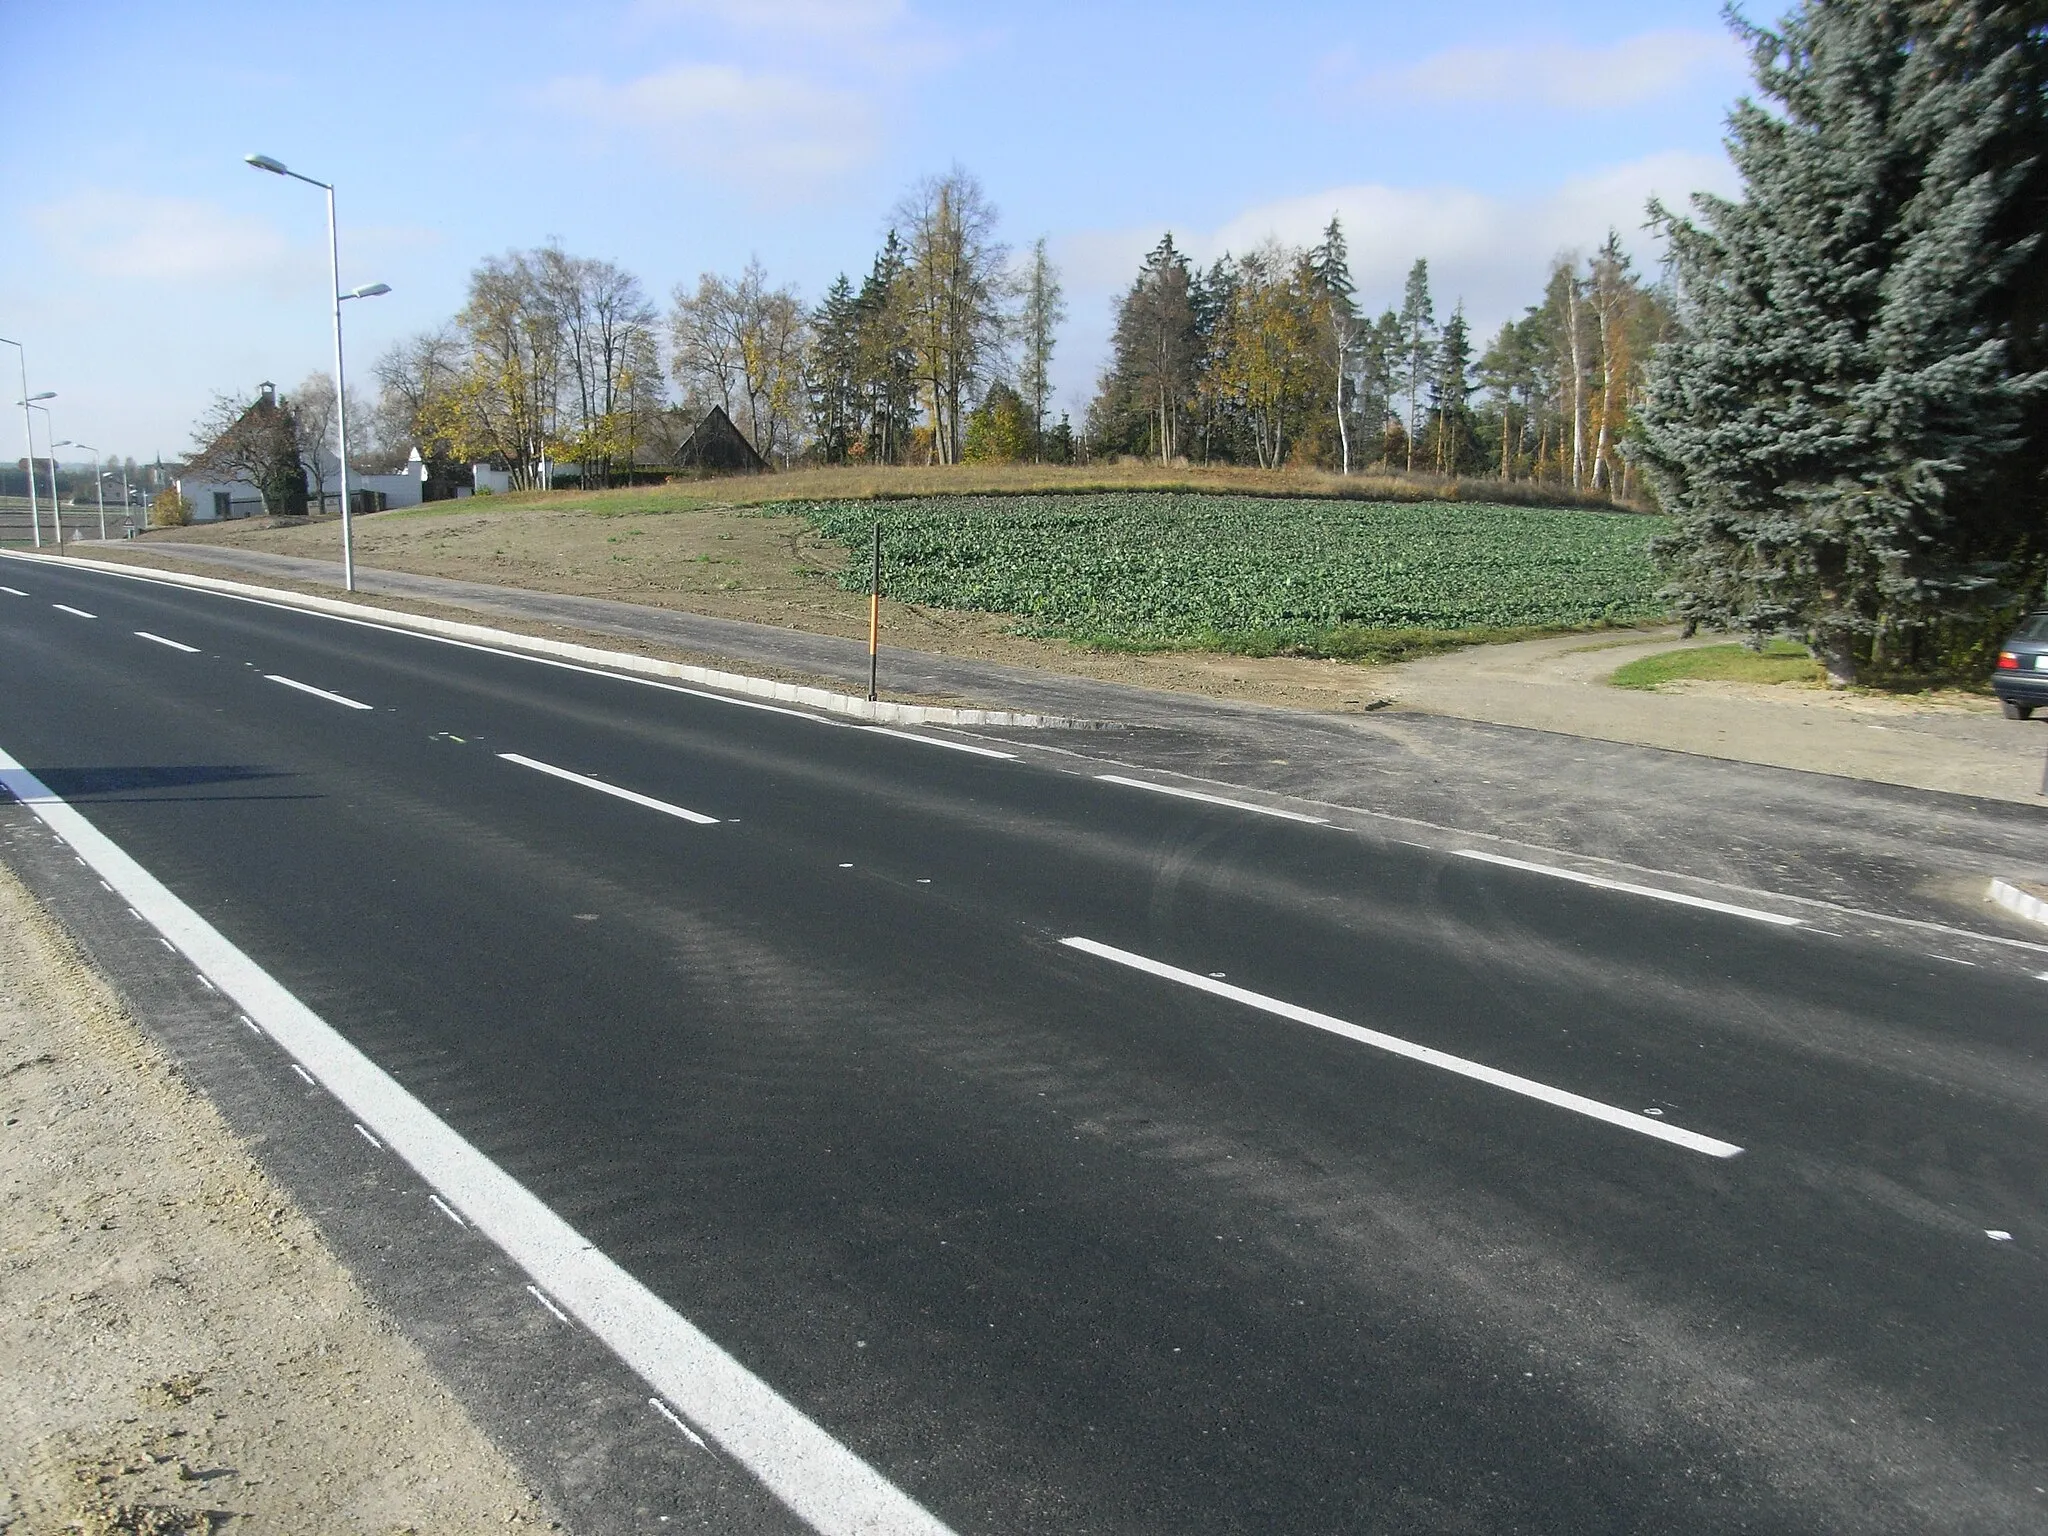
1578,386
1836,650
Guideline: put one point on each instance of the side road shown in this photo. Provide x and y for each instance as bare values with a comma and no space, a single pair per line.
1906,812
181,1350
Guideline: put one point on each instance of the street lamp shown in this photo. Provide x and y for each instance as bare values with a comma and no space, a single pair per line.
35,521
50,435
369,291
98,487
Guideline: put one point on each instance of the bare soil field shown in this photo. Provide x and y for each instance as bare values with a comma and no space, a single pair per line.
179,1351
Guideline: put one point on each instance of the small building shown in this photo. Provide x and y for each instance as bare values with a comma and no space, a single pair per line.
716,444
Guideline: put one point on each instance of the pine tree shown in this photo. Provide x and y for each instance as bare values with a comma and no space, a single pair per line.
1850,426
1450,392
1418,335
1334,287
834,374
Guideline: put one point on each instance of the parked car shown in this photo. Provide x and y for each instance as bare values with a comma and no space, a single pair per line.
2021,677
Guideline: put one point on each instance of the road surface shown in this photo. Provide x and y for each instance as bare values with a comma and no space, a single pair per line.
1065,1154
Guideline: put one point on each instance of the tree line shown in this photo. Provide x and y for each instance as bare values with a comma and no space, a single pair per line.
1270,359
941,353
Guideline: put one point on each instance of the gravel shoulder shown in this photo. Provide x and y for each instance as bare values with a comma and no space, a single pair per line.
179,1350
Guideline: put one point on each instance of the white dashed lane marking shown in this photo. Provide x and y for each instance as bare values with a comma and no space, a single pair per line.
1196,794
67,608
1678,898
603,788
1529,1088
13,591
176,645
318,693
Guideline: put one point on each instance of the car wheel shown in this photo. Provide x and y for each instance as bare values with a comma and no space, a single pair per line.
2016,711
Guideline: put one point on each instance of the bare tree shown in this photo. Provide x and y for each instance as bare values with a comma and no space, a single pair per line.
607,333
954,293
414,378
740,345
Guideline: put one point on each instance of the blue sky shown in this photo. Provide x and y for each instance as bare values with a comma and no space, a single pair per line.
146,267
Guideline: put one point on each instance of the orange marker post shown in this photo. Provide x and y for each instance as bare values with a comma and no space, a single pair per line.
875,620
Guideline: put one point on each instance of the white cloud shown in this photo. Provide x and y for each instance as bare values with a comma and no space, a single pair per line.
158,239
728,122
1626,73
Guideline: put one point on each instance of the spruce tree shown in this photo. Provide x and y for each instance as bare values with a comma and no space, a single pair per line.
1849,427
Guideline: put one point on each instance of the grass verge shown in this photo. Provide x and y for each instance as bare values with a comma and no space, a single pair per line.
1780,661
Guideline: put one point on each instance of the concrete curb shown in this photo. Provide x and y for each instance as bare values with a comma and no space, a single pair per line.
2014,899
878,711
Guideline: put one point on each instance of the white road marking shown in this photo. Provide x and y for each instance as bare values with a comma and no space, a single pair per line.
135,914
821,1481
250,1022
13,591
305,1074
541,1296
1593,1109
1196,794
1998,1235
373,1141
167,944
447,1210
937,741
176,645
670,1414
67,608
603,788
205,983
1753,913
318,693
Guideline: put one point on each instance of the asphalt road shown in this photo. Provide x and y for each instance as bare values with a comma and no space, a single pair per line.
1181,1229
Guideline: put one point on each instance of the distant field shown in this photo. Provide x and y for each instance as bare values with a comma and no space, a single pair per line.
1319,577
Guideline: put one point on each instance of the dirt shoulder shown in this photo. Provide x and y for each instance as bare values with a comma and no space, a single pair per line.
179,1351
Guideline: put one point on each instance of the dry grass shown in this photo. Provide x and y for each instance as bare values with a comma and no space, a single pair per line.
888,483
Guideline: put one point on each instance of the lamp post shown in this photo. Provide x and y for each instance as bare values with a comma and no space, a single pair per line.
98,487
50,436
369,291
57,507
35,521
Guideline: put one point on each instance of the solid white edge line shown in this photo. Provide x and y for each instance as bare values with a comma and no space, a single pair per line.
67,608
176,645
1703,903
318,693
1593,1109
1196,794
821,1481
603,788
936,741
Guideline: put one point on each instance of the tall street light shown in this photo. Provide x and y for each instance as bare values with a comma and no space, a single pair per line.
98,487
49,436
369,291
35,521
56,507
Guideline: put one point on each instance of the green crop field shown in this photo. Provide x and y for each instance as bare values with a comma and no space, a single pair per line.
1245,573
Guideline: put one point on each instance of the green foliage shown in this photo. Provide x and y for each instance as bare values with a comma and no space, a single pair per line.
1252,574
998,431
1780,661
1849,428
170,510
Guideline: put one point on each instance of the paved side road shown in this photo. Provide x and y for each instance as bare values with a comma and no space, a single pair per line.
1912,853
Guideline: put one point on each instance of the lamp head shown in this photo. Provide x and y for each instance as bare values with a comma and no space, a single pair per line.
265,163
367,291
48,394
